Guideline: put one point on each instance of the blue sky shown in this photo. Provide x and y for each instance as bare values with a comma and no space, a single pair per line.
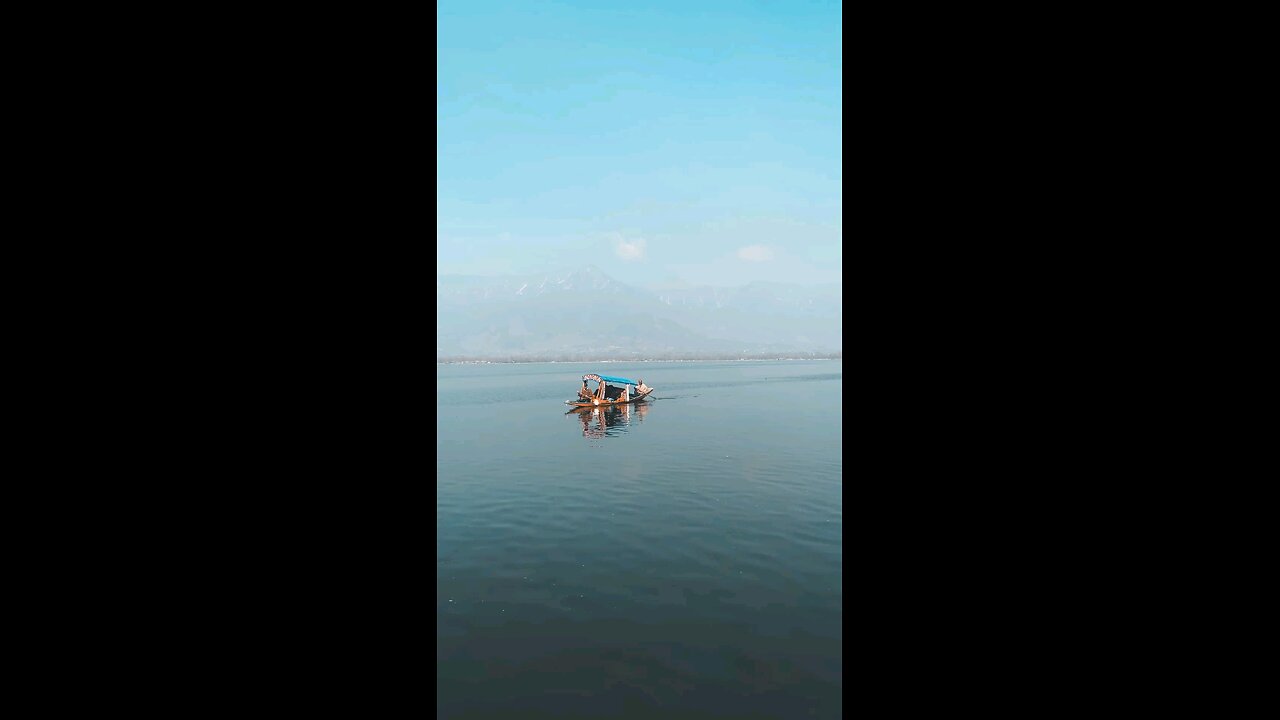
693,142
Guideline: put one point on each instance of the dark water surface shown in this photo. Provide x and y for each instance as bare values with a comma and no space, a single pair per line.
680,559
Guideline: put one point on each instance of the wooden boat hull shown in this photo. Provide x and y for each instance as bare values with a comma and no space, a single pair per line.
607,403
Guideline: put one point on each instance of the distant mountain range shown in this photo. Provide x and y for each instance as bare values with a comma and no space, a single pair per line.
585,314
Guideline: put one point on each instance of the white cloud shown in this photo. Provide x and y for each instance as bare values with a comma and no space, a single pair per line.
755,253
633,250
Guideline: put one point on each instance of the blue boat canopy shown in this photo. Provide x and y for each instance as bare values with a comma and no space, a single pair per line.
607,378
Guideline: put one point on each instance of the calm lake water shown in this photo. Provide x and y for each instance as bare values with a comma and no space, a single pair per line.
680,559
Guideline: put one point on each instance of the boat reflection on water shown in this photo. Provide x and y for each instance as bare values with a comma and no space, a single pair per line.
610,421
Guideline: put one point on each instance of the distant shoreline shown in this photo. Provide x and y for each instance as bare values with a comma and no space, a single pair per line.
828,356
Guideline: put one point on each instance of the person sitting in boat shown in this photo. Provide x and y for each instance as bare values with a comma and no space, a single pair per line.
584,393
641,389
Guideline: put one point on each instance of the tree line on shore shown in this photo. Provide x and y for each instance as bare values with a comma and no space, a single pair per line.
665,357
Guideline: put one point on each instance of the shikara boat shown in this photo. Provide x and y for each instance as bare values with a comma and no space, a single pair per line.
610,391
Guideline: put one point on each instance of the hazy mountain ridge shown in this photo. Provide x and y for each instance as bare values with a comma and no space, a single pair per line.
587,311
